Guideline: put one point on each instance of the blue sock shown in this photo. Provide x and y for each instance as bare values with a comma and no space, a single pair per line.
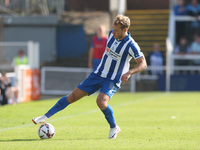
60,105
108,112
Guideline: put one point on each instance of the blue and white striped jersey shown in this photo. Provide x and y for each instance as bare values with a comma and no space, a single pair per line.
116,58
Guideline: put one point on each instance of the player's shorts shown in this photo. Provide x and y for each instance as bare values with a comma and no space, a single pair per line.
95,63
94,83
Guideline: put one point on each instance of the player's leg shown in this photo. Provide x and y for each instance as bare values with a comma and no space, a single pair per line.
95,63
107,91
87,87
61,104
15,94
9,95
102,102
66,100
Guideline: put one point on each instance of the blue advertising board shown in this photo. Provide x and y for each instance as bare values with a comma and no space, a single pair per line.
180,83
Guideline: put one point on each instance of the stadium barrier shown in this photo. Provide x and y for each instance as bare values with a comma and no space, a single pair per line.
28,83
62,80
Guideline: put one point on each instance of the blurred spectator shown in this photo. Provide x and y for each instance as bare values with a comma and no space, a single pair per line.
97,47
21,59
9,94
156,59
195,49
193,9
1,98
4,85
182,48
180,10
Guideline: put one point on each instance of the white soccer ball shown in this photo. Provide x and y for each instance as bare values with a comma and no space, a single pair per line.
46,131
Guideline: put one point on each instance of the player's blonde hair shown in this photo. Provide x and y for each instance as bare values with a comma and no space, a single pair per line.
124,21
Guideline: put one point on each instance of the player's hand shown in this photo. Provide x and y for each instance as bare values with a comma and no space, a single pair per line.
125,77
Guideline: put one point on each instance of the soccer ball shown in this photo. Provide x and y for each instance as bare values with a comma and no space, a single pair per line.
46,131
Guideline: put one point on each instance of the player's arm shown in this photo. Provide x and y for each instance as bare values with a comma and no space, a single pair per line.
90,57
140,66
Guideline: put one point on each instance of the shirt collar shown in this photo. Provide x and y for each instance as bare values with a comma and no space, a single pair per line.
126,38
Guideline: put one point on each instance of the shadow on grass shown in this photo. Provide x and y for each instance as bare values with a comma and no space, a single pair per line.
75,139
20,140
17,140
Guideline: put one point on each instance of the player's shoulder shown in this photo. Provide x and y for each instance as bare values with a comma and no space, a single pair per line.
133,44
105,37
110,32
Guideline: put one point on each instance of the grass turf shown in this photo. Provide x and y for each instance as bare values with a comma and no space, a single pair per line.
149,121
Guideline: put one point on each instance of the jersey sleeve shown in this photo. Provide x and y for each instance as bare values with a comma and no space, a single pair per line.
92,42
135,51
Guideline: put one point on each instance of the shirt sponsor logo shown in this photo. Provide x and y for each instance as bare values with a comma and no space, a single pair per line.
112,54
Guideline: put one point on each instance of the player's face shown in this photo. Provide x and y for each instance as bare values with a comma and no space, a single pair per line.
101,31
118,32
21,54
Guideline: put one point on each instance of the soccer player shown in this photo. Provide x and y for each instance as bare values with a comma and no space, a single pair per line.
97,47
112,70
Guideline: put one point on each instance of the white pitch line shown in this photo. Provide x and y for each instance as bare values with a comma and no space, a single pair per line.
88,112
11,128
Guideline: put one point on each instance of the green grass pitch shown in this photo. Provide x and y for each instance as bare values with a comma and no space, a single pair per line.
148,120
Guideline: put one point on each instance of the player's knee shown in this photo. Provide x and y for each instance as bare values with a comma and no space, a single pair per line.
101,104
71,98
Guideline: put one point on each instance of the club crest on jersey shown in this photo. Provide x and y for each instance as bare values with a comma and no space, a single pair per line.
107,49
